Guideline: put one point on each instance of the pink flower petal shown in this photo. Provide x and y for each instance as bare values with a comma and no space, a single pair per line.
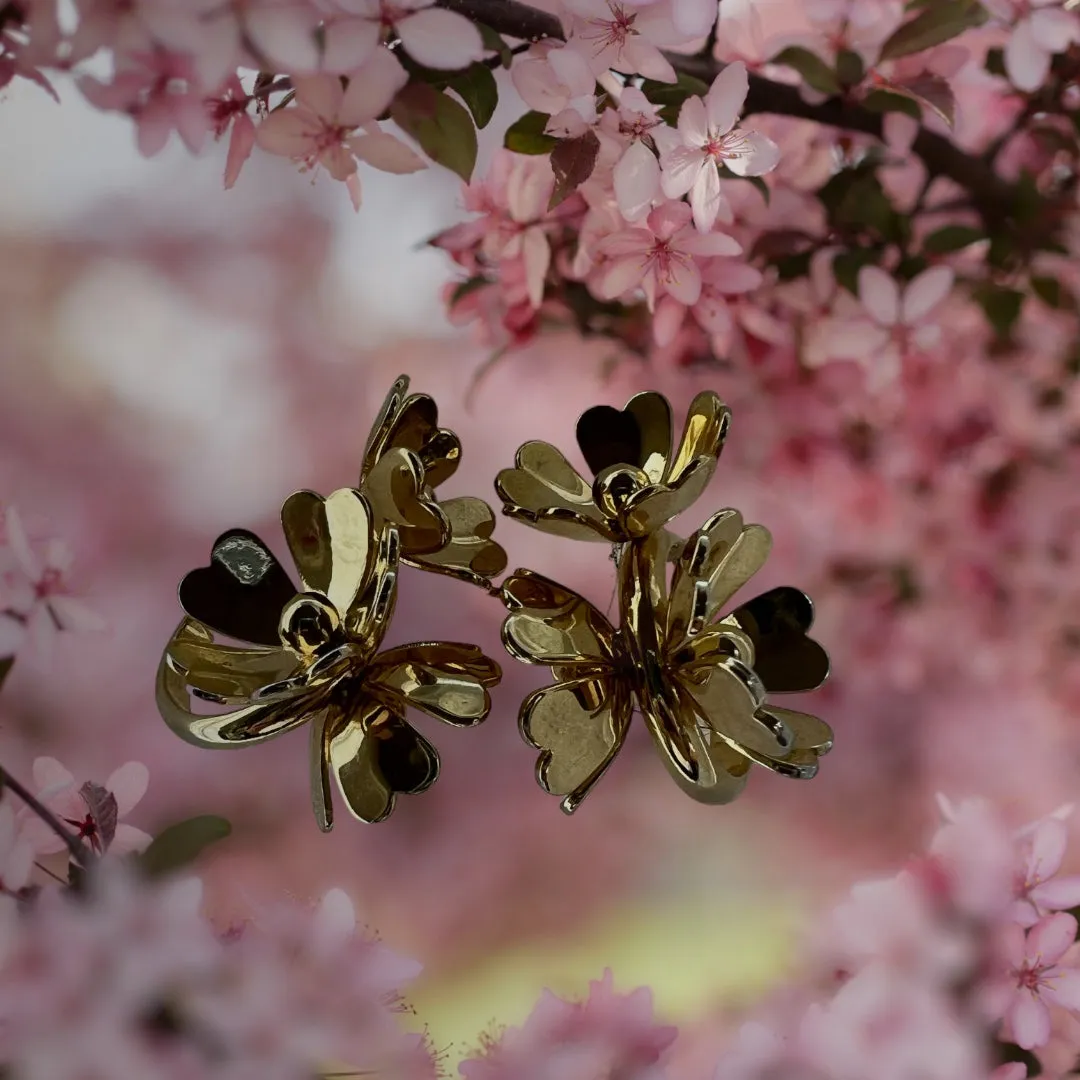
127,839
761,156
620,276
386,152
713,314
680,169
372,88
536,253
713,244
1013,945
322,94
292,133
667,321
726,96
284,37
705,197
20,545
694,18
1058,894
349,43
49,775
1050,938
880,295
1049,839
636,179
128,785
924,293
440,39
1062,988
338,162
646,59
1026,61
629,243
693,122
1029,1019
241,143
683,281
1054,29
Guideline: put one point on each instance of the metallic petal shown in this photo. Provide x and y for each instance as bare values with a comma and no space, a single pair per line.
225,673
638,436
241,593
810,732
578,727
544,490
653,508
447,680
470,553
707,423
550,624
331,542
375,755
395,488
776,622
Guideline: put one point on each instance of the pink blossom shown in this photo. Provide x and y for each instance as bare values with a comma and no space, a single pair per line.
557,80
16,853
1040,29
230,110
1038,891
608,1034
1036,978
431,36
38,592
709,138
629,130
321,128
621,36
94,816
660,258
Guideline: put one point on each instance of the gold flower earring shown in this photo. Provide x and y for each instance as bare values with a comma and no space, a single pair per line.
312,654
699,678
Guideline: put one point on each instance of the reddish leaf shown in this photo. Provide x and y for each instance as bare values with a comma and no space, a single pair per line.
572,162
102,806
930,91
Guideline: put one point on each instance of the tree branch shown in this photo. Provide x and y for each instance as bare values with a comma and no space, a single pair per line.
991,196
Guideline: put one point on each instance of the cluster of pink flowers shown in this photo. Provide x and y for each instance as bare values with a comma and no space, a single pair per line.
960,966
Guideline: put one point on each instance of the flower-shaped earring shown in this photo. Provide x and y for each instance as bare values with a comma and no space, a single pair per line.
311,656
700,679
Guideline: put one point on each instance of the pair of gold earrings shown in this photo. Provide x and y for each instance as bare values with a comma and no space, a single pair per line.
313,655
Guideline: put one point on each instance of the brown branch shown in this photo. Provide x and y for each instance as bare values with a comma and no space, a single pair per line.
991,196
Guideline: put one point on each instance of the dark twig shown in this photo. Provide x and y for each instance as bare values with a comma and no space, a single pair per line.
991,196
79,852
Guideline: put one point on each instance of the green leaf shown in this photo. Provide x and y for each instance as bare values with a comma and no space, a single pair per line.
995,63
1001,305
674,93
815,72
883,101
1050,292
846,267
849,68
477,88
572,162
856,199
526,135
181,844
463,288
952,238
439,124
936,24
6,664
493,42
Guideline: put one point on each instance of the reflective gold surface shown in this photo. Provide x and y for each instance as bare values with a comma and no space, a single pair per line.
699,680
310,654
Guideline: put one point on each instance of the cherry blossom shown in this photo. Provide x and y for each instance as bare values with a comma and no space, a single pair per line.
431,36
230,111
709,138
630,130
557,80
1036,978
660,258
16,853
1040,29
321,129
620,36
93,816
1038,888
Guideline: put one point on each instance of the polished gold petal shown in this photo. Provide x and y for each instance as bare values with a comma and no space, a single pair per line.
545,491
331,541
444,679
787,660
395,487
368,619
652,412
809,732
551,624
319,764
707,423
227,674
379,436
470,553
578,727
241,593
651,509
253,723
375,755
